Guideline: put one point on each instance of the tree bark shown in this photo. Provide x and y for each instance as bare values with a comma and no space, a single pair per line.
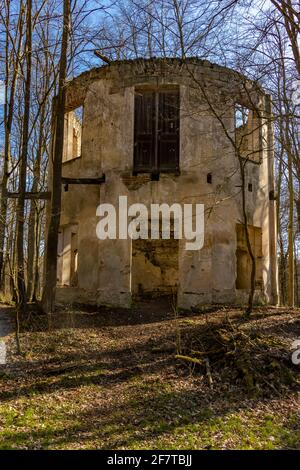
8,119
291,280
21,289
248,241
48,299
291,19
33,219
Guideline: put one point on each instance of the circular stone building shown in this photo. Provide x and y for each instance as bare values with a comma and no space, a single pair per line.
163,131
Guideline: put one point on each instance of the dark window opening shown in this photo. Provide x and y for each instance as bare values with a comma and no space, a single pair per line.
250,187
156,131
209,178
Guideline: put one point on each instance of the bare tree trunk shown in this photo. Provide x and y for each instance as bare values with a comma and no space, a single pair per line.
48,300
8,119
38,237
296,278
282,296
33,219
242,165
179,21
23,164
291,17
291,286
248,242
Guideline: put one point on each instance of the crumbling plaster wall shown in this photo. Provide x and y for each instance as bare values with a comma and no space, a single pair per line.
206,276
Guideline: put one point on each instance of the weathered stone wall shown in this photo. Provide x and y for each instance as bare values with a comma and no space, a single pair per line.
107,273
154,269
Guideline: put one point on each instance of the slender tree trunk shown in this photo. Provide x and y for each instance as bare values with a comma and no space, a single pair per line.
8,119
291,280
33,219
242,165
291,19
296,279
31,246
248,241
279,231
38,237
179,21
23,164
48,300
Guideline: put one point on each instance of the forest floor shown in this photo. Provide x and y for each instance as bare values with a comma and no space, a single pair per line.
150,379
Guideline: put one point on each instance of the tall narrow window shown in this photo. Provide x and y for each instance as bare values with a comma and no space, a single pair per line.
67,262
156,131
73,134
248,136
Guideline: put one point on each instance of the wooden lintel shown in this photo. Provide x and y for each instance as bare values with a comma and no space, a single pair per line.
41,195
99,180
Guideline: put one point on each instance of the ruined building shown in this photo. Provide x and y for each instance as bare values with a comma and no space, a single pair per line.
163,131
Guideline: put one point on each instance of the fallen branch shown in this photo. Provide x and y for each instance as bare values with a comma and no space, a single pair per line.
189,359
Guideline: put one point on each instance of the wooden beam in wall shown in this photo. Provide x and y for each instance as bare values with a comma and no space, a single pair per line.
30,195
